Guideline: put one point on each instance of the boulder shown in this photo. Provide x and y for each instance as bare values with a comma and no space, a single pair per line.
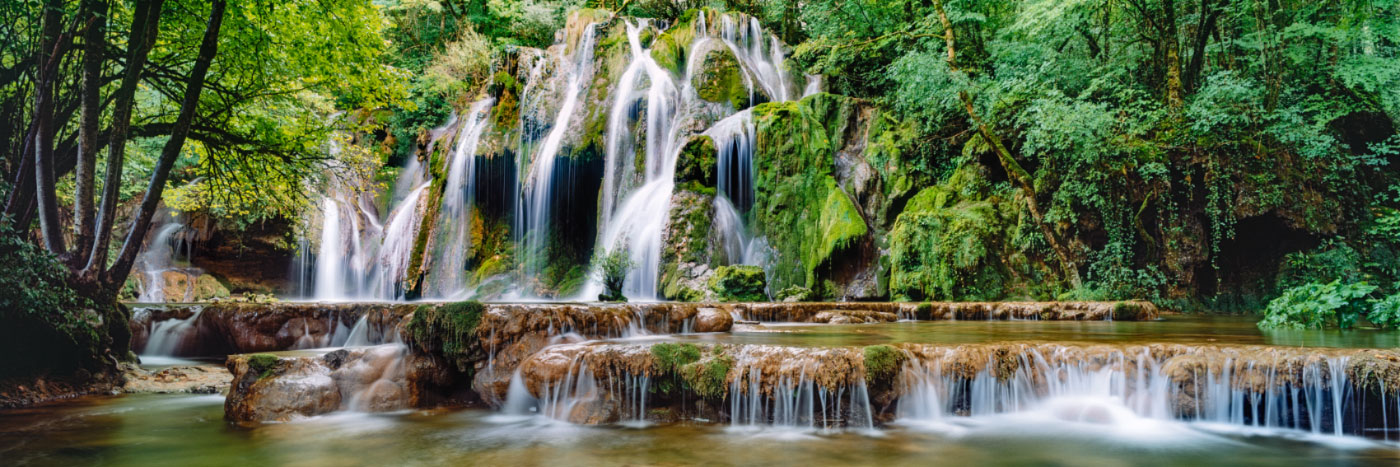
713,320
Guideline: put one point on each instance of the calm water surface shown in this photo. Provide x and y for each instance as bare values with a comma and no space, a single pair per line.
189,430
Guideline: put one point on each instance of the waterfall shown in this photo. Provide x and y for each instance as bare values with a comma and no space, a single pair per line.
169,335
454,221
157,258
539,183
639,221
652,112
1239,392
735,140
330,256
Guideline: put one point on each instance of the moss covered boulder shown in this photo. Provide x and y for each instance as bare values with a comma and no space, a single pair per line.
739,284
696,163
687,247
719,78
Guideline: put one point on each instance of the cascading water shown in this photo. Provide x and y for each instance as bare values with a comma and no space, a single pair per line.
1137,385
539,182
454,221
638,223
653,112
157,258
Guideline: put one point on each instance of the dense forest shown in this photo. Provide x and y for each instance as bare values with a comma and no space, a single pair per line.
1211,155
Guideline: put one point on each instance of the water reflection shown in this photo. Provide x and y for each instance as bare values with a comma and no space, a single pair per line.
189,430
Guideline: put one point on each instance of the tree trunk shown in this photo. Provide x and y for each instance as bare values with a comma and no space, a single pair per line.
1173,46
1013,169
50,54
145,26
195,85
1198,51
94,41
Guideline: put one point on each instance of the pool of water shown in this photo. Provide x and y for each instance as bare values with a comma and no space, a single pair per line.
1183,329
190,430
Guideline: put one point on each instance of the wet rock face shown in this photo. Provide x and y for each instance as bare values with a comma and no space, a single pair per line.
221,329
595,383
854,317
188,379
371,379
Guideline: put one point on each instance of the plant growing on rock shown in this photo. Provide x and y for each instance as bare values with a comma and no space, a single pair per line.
449,331
613,267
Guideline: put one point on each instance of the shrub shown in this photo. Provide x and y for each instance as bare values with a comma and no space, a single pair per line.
47,325
613,266
1317,306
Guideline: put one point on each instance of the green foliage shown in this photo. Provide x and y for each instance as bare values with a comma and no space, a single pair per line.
1333,260
739,284
1385,313
448,330
613,266
47,325
263,364
1318,306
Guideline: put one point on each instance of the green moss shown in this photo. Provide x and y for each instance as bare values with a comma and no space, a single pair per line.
448,330
1127,311
263,364
795,293
950,243
669,48
708,378
720,79
882,364
506,90
807,218
739,284
670,357
697,162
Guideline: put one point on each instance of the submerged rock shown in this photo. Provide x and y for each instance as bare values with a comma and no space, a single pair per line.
191,379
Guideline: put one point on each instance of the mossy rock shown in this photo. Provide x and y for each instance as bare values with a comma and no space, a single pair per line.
697,161
670,357
669,48
882,364
206,287
795,293
448,330
947,244
708,378
263,364
739,284
720,79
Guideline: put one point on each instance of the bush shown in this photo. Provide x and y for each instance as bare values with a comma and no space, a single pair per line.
1385,313
47,325
1317,306
613,266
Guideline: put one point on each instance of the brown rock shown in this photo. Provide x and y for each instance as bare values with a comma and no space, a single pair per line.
713,320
